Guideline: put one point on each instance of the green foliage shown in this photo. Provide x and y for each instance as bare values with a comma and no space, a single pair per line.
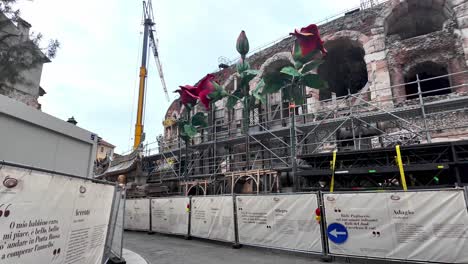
234,97
256,93
218,94
247,76
313,80
275,81
242,66
181,123
199,120
17,56
292,81
190,130
289,70
311,66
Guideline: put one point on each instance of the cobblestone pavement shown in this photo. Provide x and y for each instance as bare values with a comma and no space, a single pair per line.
160,249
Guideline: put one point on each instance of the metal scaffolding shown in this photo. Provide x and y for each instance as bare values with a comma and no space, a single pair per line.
297,142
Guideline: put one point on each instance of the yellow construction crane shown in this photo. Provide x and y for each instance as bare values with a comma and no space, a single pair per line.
148,36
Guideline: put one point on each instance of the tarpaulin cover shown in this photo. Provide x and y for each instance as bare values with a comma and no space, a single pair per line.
417,226
279,221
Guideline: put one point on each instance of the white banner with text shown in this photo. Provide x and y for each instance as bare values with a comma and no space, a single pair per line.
213,218
137,214
279,221
48,218
170,215
416,225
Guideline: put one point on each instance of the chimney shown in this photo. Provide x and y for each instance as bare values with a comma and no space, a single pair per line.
23,27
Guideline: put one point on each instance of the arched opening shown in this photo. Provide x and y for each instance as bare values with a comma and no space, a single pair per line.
344,68
414,19
196,190
245,184
427,70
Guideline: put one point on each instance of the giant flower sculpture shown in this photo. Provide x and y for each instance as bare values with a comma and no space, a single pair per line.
188,95
307,43
308,52
206,91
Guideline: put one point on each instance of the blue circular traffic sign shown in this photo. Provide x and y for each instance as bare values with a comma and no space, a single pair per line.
337,233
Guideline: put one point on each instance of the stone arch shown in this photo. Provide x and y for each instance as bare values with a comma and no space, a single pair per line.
175,108
412,18
275,63
241,181
229,83
436,75
194,190
345,61
172,114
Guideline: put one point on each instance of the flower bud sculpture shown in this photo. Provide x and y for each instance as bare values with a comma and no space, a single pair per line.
242,44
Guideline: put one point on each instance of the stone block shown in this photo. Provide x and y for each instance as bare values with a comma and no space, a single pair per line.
379,22
459,10
377,30
455,3
464,33
463,22
380,65
375,56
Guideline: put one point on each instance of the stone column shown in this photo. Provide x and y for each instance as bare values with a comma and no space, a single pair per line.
376,60
454,66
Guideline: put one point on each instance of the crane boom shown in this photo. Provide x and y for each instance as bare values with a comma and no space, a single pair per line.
154,47
148,35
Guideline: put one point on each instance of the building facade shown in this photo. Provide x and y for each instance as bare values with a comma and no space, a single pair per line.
105,150
26,88
397,75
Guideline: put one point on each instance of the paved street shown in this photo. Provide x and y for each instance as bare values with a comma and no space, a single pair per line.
160,249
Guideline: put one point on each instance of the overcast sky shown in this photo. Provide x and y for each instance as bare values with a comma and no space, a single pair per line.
95,75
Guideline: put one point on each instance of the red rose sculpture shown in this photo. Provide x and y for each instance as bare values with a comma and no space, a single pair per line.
307,41
204,88
188,95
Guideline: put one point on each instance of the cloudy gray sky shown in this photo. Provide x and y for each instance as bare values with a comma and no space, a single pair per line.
95,75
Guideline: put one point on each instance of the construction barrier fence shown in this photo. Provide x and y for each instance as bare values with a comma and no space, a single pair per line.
137,214
212,217
279,221
424,226
170,215
412,226
115,238
48,217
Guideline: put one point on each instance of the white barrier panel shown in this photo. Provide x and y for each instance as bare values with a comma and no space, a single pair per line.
416,226
213,218
170,215
279,221
47,218
137,214
117,239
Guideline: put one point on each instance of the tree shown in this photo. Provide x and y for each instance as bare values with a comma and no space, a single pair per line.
19,53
